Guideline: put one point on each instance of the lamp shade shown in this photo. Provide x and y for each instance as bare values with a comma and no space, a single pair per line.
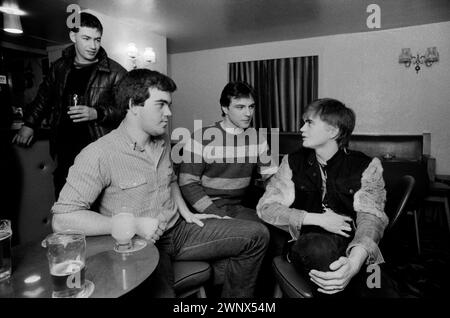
149,55
11,23
432,54
405,56
132,50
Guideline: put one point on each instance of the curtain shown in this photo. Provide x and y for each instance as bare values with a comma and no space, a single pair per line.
284,87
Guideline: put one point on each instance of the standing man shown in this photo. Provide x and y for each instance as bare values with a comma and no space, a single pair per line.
331,200
131,167
82,79
216,181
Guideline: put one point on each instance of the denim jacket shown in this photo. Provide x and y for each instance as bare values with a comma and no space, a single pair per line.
354,187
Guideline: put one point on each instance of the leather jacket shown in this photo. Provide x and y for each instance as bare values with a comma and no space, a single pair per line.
99,95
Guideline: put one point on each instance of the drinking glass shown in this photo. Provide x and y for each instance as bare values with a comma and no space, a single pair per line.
123,230
5,249
66,253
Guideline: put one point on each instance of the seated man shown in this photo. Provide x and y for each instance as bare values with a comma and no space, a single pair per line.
131,167
220,166
318,195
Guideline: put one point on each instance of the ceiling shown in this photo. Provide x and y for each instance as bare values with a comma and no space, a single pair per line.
191,25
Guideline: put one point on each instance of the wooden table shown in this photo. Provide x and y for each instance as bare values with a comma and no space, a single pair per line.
113,274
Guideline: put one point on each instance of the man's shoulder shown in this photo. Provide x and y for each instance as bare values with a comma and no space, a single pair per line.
59,65
103,145
358,157
115,67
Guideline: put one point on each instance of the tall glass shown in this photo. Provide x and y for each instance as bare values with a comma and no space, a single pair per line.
5,249
66,253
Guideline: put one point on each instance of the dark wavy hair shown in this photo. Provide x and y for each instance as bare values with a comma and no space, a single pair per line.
135,84
89,21
336,114
235,90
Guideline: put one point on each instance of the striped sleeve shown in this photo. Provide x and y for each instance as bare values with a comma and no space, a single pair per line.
273,207
191,171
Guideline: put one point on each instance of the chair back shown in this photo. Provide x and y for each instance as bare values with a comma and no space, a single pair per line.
397,198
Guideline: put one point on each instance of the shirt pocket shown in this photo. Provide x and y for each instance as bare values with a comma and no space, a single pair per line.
348,186
137,189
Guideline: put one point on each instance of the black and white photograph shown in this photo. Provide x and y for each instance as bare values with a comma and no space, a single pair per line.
231,156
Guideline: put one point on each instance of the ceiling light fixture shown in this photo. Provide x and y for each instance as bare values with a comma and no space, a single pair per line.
11,7
11,23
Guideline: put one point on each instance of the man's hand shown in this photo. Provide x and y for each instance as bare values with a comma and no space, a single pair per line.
24,136
335,223
196,217
82,113
342,271
149,228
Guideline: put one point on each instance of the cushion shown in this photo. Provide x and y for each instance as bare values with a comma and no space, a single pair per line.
190,274
291,282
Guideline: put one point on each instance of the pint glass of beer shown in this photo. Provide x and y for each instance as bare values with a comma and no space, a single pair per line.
66,253
5,249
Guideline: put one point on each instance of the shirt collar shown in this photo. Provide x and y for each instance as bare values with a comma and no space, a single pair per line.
233,131
133,144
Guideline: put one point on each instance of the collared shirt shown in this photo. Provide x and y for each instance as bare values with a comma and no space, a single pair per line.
115,172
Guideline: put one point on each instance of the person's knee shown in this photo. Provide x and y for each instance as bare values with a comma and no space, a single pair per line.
259,233
315,251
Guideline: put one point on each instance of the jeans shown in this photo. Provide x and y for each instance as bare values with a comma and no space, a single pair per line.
317,249
239,244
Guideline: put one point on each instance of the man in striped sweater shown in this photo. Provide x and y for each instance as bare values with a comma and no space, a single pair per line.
220,160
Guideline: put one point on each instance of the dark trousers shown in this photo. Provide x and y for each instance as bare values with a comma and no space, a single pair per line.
239,244
317,249
266,280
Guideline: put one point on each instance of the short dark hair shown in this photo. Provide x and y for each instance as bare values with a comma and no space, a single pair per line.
235,90
89,21
135,84
336,114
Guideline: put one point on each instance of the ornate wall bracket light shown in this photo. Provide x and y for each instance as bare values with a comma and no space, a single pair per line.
431,56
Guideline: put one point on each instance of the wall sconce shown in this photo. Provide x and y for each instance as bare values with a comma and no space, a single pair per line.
11,23
430,57
148,56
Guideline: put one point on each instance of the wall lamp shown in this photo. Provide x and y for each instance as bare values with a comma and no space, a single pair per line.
431,56
148,56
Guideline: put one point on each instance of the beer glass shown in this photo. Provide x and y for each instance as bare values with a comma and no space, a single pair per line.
5,249
123,229
66,253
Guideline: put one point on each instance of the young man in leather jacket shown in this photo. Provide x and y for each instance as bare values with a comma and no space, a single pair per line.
78,97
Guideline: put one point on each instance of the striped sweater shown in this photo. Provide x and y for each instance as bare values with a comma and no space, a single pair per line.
220,166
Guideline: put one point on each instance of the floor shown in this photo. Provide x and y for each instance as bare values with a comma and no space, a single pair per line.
426,275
